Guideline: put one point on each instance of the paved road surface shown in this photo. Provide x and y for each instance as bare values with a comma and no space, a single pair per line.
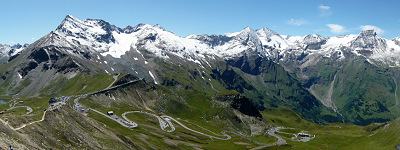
12,106
271,132
127,124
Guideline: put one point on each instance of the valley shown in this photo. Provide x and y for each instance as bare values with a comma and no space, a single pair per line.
92,85
292,120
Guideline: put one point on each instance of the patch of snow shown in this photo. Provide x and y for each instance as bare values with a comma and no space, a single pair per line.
47,52
232,34
335,42
16,51
135,58
70,75
392,45
292,39
271,38
122,44
155,81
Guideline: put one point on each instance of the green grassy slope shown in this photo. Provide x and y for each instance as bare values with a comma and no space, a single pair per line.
364,93
196,110
80,84
269,85
337,135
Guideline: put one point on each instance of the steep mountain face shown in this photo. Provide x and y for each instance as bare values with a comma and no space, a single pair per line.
320,68
4,50
396,40
314,41
101,37
368,40
7,53
345,72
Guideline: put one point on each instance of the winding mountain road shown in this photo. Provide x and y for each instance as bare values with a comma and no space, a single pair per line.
29,109
12,106
165,121
272,131
125,123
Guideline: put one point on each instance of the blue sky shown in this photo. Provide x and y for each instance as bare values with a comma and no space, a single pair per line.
24,21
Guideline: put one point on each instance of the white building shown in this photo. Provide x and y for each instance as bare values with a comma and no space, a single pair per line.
110,113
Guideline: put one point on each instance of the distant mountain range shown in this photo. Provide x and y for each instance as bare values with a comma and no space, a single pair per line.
348,78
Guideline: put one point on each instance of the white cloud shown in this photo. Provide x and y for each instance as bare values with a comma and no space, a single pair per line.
323,7
370,27
337,29
296,22
32,38
324,11
12,42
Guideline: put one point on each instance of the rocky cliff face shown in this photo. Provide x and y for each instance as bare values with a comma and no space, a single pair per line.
314,41
240,103
369,40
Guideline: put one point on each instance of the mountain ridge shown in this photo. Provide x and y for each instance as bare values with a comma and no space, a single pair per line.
105,38
209,63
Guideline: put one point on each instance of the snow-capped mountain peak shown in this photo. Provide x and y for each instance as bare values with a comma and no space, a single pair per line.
4,48
313,38
101,37
314,41
272,39
396,40
92,29
7,51
159,27
247,39
369,40
267,32
246,35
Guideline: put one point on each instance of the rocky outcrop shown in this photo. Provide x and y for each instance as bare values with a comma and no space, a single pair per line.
240,103
369,40
314,41
125,79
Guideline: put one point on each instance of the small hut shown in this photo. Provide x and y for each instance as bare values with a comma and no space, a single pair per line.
110,113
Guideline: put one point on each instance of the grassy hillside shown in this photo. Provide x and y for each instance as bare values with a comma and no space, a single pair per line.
80,84
269,85
65,128
337,135
197,111
365,93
